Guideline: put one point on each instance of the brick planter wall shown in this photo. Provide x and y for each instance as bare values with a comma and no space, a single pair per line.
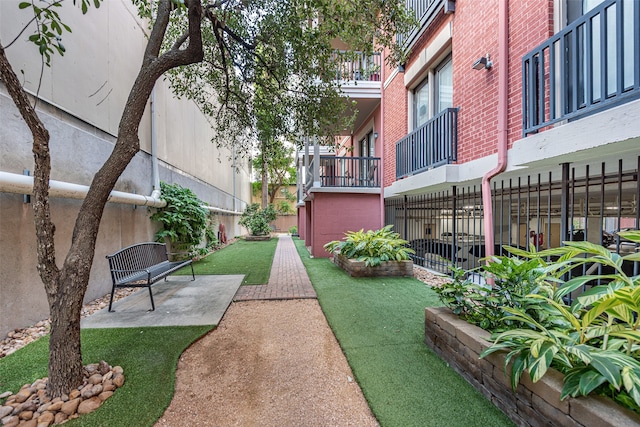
533,404
387,268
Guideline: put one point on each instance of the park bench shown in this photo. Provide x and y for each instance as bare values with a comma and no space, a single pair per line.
141,265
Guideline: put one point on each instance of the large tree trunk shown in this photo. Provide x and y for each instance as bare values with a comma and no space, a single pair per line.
273,191
66,287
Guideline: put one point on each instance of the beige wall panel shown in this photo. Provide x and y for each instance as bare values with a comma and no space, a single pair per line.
23,55
80,79
125,48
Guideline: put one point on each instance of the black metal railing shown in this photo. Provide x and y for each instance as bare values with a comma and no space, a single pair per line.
357,66
350,172
591,65
424,12
433,144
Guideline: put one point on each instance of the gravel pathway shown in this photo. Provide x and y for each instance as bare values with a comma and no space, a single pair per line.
269,363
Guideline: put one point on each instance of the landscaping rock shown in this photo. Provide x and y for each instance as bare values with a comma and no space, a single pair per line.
60,418
32,407
71,406
10,421
46,419
89,405
5,410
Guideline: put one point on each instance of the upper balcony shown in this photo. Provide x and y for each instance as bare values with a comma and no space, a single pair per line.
359,77
590,66
424,12
343,172
433,144
355,66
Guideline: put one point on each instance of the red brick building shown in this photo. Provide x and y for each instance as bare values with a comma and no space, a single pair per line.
556,82
538,99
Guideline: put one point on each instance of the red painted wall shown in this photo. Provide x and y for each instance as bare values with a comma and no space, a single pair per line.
302,221
333,214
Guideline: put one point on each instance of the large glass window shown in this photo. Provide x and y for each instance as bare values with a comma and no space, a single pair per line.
439,91
421,104
444,85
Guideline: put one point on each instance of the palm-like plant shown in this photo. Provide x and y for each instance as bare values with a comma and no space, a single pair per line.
372,247
599,345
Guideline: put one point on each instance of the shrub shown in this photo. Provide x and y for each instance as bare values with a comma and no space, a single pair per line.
257,220
285,208
595,340
483,304
183,219
372,247
293,230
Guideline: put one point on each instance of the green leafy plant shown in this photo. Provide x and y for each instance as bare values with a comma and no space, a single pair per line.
257,220
372,247
293,230
597,345
183,219
285,208
483,304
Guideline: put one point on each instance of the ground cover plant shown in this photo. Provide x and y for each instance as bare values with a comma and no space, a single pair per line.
372,247
253,259
586,327
379,323
149,357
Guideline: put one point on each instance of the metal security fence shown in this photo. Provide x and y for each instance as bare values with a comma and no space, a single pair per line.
589,202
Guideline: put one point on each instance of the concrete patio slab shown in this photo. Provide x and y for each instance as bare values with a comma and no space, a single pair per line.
179,302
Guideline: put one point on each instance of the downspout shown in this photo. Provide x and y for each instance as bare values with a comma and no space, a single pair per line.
155,175
381,144
503,86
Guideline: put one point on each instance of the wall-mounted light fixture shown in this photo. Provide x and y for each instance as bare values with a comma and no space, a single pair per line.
484,62
375,135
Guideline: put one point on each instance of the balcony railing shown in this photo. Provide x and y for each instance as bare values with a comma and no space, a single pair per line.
433,144
591,65
354,66
424,12
345,172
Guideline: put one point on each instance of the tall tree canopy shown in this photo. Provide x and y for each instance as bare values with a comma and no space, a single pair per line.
218,52
270,67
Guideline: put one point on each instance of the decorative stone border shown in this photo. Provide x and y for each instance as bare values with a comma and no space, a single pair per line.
387,268
533,404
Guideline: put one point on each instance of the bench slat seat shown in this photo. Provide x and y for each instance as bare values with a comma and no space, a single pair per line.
142,265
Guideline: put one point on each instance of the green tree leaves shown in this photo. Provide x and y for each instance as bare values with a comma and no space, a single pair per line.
49,26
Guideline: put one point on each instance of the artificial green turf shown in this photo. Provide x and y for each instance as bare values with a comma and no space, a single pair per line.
253,259
149,357
379,323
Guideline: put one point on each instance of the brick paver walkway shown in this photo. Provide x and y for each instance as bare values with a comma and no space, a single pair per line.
288,280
